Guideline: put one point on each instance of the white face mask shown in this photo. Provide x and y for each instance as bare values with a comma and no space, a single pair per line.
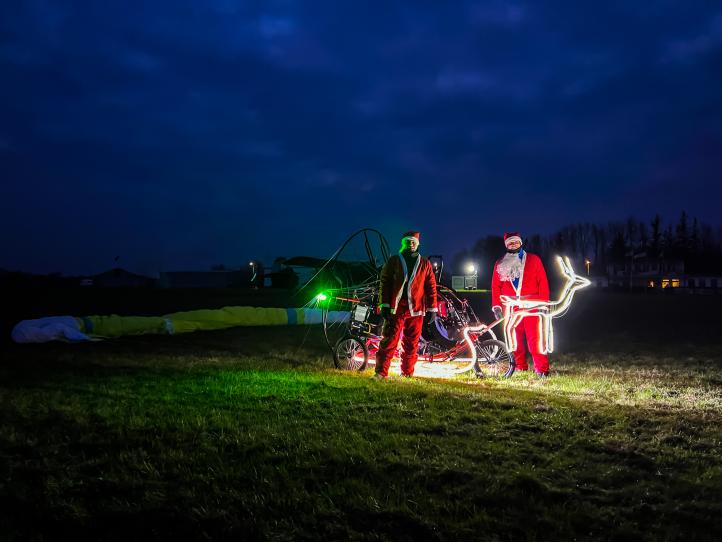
509,267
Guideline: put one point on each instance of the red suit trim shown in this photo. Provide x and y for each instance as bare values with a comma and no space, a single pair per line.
422,289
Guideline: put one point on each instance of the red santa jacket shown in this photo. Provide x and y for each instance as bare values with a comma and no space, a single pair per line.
422,288
533,282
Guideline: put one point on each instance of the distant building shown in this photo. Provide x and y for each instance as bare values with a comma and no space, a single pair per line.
703,284
118,278
641,272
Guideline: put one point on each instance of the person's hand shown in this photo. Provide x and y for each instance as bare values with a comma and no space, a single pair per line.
433,315
497,313
385,312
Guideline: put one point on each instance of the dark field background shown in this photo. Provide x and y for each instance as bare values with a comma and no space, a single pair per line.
597,319
249,433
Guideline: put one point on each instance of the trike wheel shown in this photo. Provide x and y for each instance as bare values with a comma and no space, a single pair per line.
493,360
350,354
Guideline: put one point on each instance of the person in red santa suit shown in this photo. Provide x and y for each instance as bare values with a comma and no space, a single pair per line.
407,292
521,274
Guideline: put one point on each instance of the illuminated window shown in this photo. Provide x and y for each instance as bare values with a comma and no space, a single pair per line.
665,283
675,283
650,284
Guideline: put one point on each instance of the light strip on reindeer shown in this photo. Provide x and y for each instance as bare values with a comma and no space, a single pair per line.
515,310
478,330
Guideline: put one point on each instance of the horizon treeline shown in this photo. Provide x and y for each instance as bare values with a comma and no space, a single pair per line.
696,243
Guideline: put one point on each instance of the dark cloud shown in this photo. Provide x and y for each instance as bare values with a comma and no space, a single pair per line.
184,134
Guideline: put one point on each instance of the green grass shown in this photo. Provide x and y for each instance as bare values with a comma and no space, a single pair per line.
247,433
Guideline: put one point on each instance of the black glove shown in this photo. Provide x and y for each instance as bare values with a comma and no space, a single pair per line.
432,316
385,312
497,312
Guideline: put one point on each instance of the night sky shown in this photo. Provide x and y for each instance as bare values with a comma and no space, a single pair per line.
178,135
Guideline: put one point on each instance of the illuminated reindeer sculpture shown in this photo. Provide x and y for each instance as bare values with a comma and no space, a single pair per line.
515,310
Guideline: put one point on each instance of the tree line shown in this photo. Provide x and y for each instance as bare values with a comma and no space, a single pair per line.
697,244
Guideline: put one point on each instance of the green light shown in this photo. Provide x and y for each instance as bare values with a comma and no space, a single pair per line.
321,297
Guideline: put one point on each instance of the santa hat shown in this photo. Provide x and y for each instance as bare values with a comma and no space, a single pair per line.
510,237
409,235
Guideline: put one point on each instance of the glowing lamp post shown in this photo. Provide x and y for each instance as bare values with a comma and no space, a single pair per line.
588,264
253,272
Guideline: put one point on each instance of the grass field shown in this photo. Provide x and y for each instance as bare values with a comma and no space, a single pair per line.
249,434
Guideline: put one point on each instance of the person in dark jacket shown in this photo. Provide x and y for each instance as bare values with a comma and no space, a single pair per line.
407,292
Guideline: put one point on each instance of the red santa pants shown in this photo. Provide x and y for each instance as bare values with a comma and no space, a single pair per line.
411,325
528,333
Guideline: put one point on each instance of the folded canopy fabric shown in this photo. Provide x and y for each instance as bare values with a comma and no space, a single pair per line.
69,328
51,328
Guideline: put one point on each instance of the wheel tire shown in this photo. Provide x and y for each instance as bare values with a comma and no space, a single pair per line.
493,360
346,353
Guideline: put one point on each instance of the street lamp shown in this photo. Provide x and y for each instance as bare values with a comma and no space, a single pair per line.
470,269
253,272
587,263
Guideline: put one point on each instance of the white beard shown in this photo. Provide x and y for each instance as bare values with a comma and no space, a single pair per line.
510,267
